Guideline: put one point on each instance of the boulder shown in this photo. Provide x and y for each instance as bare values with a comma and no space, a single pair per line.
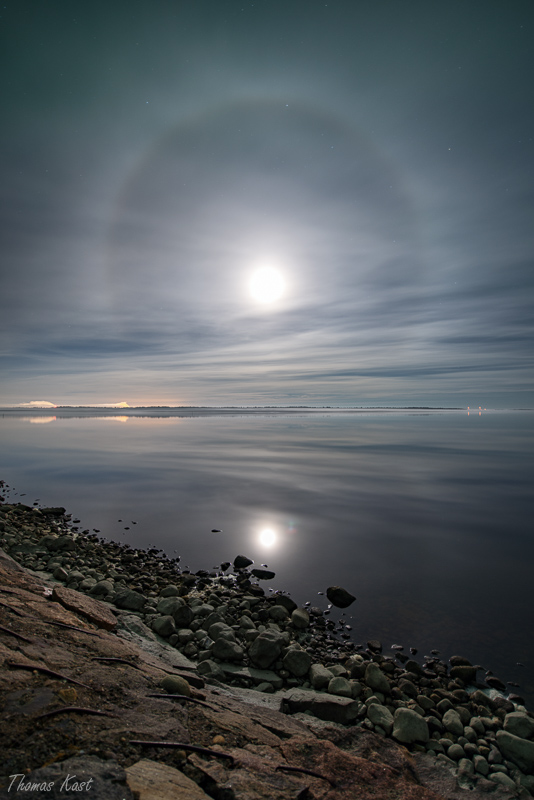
517,749
452,722
266,648
323,706
319,676
382,716
278,613
339,597
164,626
241,562
263,574
226,650
409,727
297,662
340,686
375,679
519,724
127,598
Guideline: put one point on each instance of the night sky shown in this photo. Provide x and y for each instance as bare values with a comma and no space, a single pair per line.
378,155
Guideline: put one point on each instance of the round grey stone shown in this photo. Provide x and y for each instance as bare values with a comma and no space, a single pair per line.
340,686
452,722
297,662
164,626
409,726
168,605
381,716
300,618
266,648
375,679
226,650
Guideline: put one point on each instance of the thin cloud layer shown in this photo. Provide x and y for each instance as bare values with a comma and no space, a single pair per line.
380,160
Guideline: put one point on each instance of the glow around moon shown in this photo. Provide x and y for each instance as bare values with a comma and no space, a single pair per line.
267,537
267,285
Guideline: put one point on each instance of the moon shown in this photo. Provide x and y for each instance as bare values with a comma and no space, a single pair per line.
267,285
267,537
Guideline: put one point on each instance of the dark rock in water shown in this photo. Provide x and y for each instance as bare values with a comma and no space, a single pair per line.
284,600
339,597
263,574
225,565
459,661
465,672
495,683
54,511
216,530
240,562
375,645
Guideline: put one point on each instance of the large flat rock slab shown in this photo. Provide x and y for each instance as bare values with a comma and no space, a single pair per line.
155,781
93,610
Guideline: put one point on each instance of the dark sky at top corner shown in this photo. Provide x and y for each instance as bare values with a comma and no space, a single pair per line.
380,154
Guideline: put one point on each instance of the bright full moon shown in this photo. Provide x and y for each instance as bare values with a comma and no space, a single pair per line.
267,537
267,285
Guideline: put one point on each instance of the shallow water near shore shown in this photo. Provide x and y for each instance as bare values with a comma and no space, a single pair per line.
425,516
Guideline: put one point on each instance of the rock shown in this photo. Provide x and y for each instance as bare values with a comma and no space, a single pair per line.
102,588
155,781
300,618
278,613
465,673
284,600
503,780
519,724
323,706
183,615
266,648
381,716
171,590
241,562
496,683
297,662
339,597
252,674
128,599
226,650
375,679
210,669
53,511
263,574
409,727
168,605
517,749
175,684
319,676
340,686
375,645
164,626
220,630
93,610
456,752
481,765
452,722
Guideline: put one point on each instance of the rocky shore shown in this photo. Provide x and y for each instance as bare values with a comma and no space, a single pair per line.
271,680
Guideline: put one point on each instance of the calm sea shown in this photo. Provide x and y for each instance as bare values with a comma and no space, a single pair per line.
427,517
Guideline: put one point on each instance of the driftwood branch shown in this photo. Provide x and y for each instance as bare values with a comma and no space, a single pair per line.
45,671
77,710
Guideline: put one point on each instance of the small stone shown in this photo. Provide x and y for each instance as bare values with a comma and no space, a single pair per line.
174,684
102,588
481,765
339,597
278,613
319,676
129,599
456,752
266,648
171,590
263,574
227,651
210,669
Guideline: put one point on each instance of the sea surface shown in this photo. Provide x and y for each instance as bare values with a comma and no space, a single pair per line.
425,516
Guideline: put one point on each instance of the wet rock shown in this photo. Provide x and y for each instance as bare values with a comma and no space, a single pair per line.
339,597
517,749
266,648
263,574
409,727
375,645
465,673
241,562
